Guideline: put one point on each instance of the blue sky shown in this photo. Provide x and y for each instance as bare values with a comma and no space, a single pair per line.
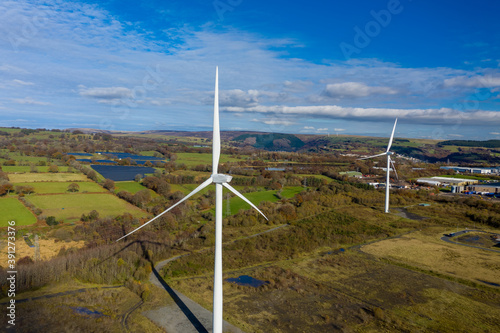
337,67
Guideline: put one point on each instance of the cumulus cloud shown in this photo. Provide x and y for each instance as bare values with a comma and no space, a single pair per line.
476,81
339,129
442,116
495,133
107,93
355,89
238,97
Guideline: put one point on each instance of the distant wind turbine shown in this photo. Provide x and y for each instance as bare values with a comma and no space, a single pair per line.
220,180
388,153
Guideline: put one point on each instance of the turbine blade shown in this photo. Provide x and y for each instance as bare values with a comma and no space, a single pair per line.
394,168
365,158
392,135
216,131
232,189
199,188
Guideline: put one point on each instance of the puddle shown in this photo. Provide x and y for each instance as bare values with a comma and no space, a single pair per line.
248,281
85,311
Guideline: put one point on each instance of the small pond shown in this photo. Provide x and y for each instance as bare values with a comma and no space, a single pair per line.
247,281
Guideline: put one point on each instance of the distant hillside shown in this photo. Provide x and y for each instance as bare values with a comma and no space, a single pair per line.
471,143
271,141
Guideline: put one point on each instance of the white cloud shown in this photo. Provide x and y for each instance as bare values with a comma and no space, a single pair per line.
29,101
322,129
442,116
308,127
355,89
23,83
107,93
495,133
339,129
476,81
274,121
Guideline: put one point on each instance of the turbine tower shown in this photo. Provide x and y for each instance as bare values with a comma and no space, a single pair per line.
388,153
220,181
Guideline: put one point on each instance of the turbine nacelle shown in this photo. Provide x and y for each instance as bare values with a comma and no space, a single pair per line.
221,178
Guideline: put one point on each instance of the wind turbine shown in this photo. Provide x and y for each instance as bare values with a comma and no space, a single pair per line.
388,153
220,181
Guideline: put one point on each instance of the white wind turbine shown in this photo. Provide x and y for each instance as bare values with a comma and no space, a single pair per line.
388,153
220,180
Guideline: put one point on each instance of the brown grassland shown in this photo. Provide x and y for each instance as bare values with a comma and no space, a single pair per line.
425,250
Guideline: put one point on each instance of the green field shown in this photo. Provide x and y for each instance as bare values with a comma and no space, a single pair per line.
132,187
46,177
62,187
12,209
236,204
193,159
27,168
70,207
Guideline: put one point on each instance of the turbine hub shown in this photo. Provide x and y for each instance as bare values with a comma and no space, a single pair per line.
390,153
221,178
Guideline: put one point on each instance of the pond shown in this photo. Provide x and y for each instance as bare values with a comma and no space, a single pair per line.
247,281
131,156
86,311
121,172
79,154
97,161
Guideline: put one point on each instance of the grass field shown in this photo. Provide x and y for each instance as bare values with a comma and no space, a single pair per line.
12,209
27,168
193,159
427,251
62,187
132,187
46,177
70,207
236,204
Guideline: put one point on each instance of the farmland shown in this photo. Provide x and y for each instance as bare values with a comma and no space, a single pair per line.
13,210
46,177
70,207
62,187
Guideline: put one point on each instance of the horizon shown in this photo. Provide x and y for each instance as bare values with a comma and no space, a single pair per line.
347,69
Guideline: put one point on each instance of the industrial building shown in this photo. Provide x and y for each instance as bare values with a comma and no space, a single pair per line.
482,171
445,181
488,188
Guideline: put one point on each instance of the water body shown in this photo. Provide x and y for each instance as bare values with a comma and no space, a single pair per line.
121,172
86,311
79,154
247,281
133,157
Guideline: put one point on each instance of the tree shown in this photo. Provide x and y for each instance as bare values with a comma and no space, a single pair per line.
51,220
109,184
73,187
53,168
